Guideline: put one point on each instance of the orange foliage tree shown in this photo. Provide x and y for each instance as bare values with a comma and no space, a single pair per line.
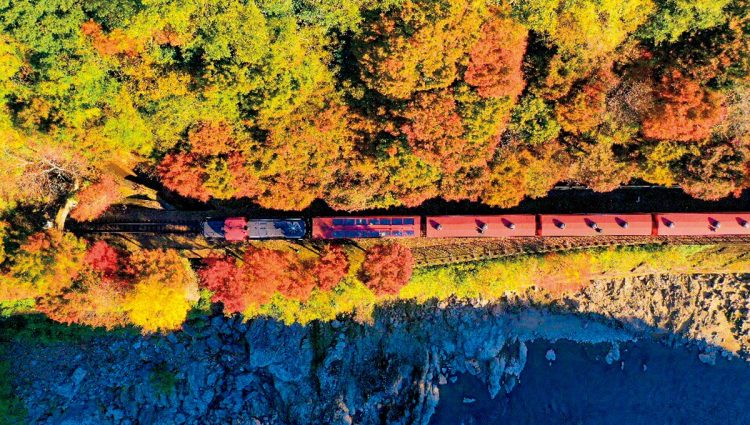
253,281
331,267
213,167
585,107
434,128
181,172
94,301
270,270
204,177
114,43
46,263
496,59
302,153
211,138
94,199
387,268
417,45
684,110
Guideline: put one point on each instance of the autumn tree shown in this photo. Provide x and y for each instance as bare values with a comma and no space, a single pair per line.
225,280
585,107
96,198
255,279
522,171
533,122
164,290
677,17
204,177
46,263
434,129
387,268
302,153
496,57
684,111
716,170
417,45
94,301
104,258
330,267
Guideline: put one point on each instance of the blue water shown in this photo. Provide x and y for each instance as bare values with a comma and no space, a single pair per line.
580,388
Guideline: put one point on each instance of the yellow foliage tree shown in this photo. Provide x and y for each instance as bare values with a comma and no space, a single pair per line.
418,46
164,291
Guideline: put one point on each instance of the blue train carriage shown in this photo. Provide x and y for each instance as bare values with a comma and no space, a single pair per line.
276,228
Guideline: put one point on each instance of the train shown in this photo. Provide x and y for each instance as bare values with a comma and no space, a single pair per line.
238,229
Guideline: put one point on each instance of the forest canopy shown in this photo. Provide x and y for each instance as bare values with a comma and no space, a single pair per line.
371,103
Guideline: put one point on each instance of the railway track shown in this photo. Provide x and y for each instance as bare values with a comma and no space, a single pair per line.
484,249
457,250
155,228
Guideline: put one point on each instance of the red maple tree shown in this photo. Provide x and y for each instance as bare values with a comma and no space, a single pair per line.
387,268
331,267
94,199
104,258
496,58
684,110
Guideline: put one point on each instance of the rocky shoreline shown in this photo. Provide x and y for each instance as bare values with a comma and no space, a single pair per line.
263,372
393,370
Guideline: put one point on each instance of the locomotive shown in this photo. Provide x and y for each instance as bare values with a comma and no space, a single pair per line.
480,226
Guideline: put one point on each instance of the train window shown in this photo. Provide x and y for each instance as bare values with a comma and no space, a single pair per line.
338,234
385,221
397,233
338,221
374,221
360,221
409,233
383,234
409,221
397,221
349,222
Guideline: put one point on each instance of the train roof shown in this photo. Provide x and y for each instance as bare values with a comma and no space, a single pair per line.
380,226
596,225
276,228
213,228
462,226
708,224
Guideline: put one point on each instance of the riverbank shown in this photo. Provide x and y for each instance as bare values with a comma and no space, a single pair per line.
517,361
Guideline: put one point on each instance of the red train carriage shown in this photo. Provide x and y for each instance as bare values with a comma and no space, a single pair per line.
696,224
235,229
596,225
491,226
366,227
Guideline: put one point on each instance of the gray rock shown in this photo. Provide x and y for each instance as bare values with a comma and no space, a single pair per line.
78,376
708,358
614,354
551,356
